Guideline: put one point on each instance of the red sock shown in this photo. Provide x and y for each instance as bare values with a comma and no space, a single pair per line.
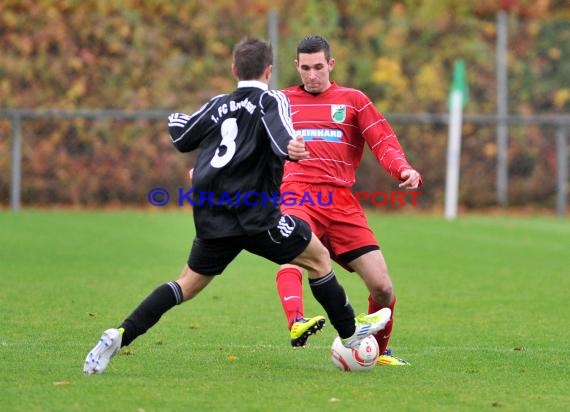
290,289
384,335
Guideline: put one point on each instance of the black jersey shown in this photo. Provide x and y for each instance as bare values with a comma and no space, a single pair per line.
242,139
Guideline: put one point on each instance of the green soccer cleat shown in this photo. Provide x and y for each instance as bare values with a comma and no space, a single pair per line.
303,328
367,325
99,357
387,359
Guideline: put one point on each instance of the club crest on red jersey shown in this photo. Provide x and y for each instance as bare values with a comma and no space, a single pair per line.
338,112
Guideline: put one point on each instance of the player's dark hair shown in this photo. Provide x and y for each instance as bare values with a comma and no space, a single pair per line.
314,44
251,57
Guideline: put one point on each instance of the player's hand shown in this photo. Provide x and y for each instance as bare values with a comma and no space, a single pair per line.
297,149
411,179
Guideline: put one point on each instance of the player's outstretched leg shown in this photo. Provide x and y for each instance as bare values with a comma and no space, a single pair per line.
99,357
303,328
367,325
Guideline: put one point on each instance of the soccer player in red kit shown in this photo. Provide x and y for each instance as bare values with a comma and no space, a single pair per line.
336,122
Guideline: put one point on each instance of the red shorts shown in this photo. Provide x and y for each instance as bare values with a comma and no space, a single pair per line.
334,215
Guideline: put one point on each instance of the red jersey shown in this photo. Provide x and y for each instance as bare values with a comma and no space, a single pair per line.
335,125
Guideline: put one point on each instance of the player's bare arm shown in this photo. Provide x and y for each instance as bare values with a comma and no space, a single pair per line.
297,149
411,179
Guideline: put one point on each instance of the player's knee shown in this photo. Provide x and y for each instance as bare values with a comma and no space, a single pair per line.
324,255
319,259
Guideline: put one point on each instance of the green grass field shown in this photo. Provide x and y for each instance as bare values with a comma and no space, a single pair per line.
483,316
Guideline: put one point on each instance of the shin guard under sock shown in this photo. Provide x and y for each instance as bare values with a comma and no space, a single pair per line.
330,294
149,311
290,289
383,336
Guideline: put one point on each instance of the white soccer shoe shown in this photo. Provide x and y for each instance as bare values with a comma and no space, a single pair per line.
367,325
108,346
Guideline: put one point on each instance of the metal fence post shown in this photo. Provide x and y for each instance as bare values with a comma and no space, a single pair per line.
16,161
502,110
273,31
562,169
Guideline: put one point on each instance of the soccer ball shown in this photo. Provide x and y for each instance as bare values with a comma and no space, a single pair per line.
361,358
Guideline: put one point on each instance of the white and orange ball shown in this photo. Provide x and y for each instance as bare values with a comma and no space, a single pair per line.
361,358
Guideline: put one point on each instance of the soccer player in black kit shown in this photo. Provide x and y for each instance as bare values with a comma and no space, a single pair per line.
243,139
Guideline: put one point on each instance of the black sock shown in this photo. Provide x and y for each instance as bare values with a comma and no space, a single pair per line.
330,294
161,300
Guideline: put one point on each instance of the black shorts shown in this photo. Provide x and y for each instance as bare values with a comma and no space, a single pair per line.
279,244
